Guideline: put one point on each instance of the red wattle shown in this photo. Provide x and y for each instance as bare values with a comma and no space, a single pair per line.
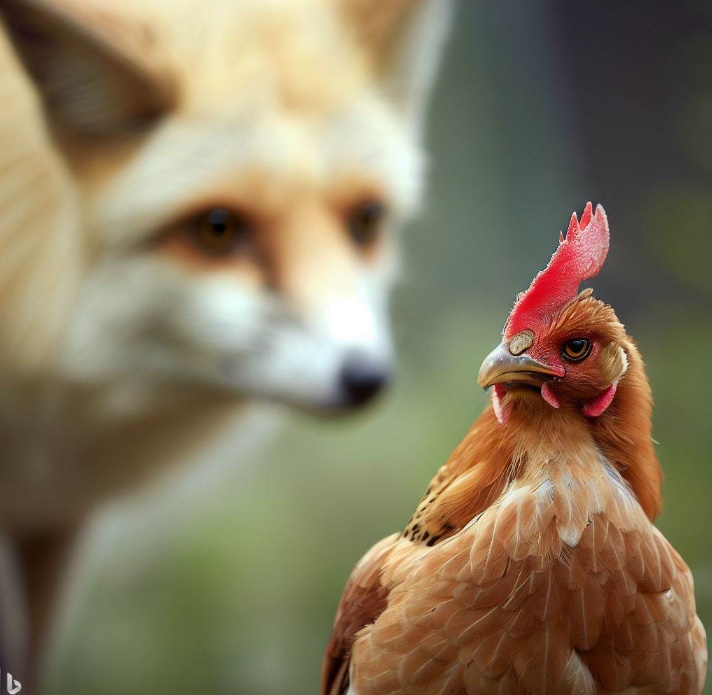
498,393
549,396
596,406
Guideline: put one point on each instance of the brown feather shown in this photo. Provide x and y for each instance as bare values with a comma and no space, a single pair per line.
362,602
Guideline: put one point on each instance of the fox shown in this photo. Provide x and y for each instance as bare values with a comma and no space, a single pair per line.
200,209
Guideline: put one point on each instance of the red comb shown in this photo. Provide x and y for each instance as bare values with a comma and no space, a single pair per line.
579,256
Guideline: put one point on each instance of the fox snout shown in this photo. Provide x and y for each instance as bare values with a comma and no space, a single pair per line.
304,365
335,359
362,378
358,331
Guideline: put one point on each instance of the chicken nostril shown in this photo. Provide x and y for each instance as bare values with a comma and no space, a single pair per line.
362,379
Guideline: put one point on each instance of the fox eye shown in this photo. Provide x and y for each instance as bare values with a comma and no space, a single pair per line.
365,222
220,232
576,349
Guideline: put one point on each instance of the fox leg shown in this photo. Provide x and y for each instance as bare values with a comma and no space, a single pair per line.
13,615
42,558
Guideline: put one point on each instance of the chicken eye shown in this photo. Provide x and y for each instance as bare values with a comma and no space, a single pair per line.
365,222
220,232
576,349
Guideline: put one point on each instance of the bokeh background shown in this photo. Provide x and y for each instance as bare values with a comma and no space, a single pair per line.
541,106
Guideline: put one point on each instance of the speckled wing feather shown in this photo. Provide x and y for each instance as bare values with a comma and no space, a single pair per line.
363,600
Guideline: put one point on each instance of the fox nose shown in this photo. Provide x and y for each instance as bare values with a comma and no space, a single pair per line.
362,378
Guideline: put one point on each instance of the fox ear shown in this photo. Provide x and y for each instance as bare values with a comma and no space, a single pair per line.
96,73
404,40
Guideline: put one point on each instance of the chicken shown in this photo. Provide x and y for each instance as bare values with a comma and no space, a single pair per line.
531,564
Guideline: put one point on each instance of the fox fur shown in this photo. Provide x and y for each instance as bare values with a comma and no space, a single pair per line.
120,354
125,348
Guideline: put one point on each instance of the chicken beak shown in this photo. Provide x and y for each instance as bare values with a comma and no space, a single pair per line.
502,366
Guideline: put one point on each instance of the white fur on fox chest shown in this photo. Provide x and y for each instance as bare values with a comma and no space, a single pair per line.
68,450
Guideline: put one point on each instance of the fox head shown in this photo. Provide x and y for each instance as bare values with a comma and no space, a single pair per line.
225,181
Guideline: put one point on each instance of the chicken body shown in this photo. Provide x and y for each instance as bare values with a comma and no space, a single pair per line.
561,585
531,566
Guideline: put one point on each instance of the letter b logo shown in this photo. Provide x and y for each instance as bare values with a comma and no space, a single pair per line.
13,686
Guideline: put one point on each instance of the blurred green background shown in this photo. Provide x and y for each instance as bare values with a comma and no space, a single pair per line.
541,106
